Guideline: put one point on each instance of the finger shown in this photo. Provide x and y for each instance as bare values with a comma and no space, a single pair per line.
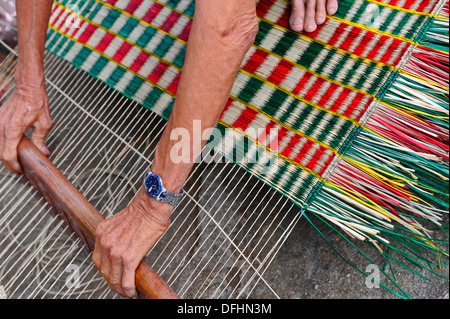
298,15
9,168
321,12
332,6
9,156
129,281
97,257
40,131
115,274
105,267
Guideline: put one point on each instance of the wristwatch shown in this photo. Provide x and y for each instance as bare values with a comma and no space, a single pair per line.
154,187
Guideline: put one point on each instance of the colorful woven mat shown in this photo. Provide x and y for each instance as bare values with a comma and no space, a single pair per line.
359,107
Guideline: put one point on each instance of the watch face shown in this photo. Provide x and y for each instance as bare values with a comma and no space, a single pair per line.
153,185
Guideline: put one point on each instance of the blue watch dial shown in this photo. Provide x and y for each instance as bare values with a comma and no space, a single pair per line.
153,185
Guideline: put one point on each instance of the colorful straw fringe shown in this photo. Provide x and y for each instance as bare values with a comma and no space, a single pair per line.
359,107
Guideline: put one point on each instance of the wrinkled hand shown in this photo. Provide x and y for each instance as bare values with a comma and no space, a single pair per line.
123,240
308,14
26,108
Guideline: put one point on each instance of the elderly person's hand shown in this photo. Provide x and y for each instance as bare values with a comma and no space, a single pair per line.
26,108
308,14
123,240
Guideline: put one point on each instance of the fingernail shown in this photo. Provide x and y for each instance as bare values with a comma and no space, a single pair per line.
320,20
45,150
309,27
332,10
297,21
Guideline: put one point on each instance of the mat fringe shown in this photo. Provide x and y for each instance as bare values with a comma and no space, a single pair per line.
391,184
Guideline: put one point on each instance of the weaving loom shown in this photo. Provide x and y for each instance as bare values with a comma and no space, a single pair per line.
360,111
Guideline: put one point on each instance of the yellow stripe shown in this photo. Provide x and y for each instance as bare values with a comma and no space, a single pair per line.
285,125
359,25
330,47
300,35
423,79
415,111
231,96
374,30
301,99
349,193
140,20
272,151
406,10
316,74
265,80
109,58
378,64
223,123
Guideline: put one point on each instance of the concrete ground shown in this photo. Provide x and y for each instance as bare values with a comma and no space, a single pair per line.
316,271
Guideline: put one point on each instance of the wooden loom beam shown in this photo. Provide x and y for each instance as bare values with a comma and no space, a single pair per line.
80,215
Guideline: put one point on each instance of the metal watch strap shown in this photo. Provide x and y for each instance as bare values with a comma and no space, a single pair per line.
171,198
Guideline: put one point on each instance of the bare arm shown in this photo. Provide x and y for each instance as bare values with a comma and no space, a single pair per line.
221,34
28,106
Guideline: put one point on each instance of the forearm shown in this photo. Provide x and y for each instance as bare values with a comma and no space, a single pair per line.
32,18
221,35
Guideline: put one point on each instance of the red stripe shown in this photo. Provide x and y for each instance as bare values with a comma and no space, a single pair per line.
87,34
301,84
227,106
326,97
400,52
186,31
263,7
303,151
173,87
408,4
132,6
139,62
170,21
266,133
284,19
63,21
255,61
74,30
351,37
152,12
245,119
356,102
337,34
124,49
158,72
59,15
281,71
314,89
293,141
368,37
326,164
315,158
105,42
112,2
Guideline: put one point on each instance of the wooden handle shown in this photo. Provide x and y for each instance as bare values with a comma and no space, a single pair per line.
82,217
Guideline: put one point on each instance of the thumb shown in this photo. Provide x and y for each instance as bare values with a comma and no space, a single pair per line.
40,131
